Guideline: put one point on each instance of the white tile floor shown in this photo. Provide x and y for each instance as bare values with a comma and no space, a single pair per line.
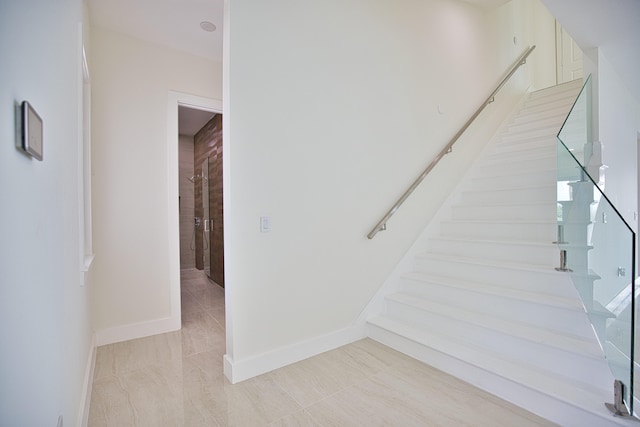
176,379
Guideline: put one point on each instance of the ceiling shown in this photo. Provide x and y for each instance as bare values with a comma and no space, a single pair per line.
190,120
172,23
611,26
176,24
487,4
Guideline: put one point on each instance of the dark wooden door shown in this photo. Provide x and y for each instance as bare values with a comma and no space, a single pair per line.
208,148
216,208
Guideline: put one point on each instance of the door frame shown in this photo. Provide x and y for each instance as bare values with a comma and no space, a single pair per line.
176,99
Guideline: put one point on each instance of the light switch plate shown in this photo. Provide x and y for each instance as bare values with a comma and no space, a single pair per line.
265,224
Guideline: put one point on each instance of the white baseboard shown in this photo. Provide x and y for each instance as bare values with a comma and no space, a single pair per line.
243,369
137,330
87,385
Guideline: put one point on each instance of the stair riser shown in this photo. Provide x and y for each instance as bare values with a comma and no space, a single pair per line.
513,142
541,108
523,179
529,280
541,194
543,212
544,255
543,233
561,319
558,112
517,163
526,146
569,90
566,364
550,100
555,123
515,137
522,155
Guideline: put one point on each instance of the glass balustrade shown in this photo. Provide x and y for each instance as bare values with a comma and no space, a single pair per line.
599,245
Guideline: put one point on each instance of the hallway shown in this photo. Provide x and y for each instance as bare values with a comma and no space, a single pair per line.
176,379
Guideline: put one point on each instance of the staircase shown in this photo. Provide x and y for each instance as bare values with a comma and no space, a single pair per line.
484,303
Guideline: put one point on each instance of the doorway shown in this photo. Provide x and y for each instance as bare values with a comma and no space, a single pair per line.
568,57
175,101
192,179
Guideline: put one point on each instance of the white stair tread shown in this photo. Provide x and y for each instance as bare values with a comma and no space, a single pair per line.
558,111
571,88
506,204
489,173
522,155
576,393
522,243
541,160
569,343
481,222
488,262
495,158
498,290
508,186
524,148
550,98
528,135
552,122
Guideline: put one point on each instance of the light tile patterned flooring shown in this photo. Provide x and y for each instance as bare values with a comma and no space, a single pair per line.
175,379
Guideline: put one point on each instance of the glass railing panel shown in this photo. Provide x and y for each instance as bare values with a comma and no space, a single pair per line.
576,130
600,255
599,249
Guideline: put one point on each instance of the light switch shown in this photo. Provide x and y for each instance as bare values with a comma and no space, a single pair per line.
265,224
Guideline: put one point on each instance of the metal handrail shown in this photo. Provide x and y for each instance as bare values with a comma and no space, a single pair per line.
382,224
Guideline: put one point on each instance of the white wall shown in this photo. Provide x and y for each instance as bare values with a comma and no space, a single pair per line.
45,332
131,83
324,130
618,127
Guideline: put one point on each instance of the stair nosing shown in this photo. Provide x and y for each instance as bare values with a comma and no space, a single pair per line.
550,300
411,300
525,243
537,268
505,204
514,187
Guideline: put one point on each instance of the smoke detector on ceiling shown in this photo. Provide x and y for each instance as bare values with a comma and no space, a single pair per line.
208,26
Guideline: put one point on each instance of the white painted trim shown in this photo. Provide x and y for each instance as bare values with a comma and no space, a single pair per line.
80,150
138,330
176,99
85,238
241,370
228,217
87,385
